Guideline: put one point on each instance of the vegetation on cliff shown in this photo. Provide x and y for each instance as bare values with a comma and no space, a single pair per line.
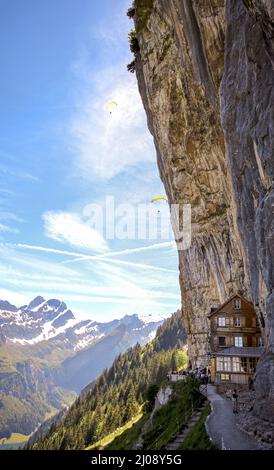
143,10
155,432
171,418
140,12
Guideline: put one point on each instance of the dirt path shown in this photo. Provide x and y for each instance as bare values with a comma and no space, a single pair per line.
221,425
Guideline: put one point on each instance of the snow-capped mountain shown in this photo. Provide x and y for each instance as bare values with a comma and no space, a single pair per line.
38,321
45,320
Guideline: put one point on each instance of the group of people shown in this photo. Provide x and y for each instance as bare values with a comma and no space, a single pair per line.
202,374
205,376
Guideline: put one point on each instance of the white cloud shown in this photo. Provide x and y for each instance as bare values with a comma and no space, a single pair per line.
12,170
141,266
7,215
68,228
154,246
6,229
14,260
106,144
112,300
103,146
82,257
97,282
46,249
80,287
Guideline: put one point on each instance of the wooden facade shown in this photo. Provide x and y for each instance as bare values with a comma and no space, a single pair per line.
235,341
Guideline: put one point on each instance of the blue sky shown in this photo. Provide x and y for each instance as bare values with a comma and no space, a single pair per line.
61,151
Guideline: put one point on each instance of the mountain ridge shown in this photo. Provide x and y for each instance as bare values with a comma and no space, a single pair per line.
47,319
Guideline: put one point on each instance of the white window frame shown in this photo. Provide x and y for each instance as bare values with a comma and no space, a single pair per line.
237,321
221,321
238,341
223,364
237,304
236,364
219,364
225,377
227,364
260,342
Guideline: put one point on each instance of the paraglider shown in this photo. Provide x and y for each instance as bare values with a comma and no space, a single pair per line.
111,105
157,199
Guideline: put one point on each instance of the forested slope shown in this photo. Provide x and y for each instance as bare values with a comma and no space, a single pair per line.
118,393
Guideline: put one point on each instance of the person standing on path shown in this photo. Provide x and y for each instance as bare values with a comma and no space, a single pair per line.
235,401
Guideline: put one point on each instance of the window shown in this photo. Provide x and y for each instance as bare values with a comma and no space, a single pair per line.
237,321
237,304
227,363
221,321
220,364
244,364
236,364
260,342
221,340
223,364
238,341
225,377
252,364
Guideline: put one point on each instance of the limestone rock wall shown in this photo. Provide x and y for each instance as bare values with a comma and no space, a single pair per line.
205,74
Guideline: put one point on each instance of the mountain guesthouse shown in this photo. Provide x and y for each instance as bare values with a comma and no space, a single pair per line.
235,342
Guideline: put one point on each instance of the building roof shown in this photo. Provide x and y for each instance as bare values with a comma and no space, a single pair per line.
217,309
240,352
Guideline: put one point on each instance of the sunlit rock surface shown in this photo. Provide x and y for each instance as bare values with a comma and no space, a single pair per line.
205,74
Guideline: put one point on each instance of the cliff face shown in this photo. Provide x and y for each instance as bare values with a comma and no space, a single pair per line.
205,74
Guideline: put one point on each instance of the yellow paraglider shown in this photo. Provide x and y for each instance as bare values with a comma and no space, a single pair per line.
111,105
159,198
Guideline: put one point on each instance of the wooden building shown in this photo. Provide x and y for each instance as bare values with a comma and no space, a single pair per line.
235,341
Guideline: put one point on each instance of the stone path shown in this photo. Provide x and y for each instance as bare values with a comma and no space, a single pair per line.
221,425
178,441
